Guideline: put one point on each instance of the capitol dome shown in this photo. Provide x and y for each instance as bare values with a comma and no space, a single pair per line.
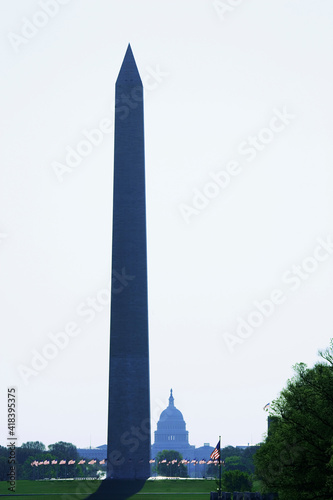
171,416
171,433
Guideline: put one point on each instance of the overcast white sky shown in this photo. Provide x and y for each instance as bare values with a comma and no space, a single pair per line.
218,77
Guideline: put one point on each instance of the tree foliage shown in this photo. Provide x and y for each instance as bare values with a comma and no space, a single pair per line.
3,468
236,480
30,451
36,449
234,459
34,445
64,451
234,463
296,459
167,464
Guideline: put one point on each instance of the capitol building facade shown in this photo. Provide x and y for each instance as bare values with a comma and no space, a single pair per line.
171,434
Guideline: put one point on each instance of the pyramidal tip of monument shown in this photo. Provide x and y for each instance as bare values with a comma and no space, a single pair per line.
129,72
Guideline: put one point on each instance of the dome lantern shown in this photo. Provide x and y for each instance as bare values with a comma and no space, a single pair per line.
171,399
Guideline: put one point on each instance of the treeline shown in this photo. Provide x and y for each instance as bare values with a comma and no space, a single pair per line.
296,459
26,454
237,465
235,459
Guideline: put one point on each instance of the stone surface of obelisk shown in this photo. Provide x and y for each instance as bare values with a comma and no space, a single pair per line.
129,402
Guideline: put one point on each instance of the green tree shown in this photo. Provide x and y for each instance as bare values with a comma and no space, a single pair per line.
64,451
167,464
3,468
212,470
234,459
247,457
36,449
236,480
42,471
3,451
27,471
235,463
230,451
296,458
34,445
226,452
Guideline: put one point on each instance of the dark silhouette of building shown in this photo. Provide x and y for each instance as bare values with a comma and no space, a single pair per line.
128,451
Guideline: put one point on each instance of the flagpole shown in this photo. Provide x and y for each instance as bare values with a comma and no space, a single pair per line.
220,482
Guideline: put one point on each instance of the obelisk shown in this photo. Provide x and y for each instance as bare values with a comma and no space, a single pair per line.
129,403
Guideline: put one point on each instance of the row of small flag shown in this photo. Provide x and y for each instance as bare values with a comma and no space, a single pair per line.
103,462
63,462
214,457
186,462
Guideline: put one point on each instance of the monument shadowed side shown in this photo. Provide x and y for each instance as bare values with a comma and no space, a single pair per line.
129,402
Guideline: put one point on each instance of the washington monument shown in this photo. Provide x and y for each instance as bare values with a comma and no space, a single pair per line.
129,403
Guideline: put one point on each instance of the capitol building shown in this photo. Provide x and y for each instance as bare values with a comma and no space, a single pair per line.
171,434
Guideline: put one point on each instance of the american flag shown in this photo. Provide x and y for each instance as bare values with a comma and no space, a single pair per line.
92,462
102,462
216,453
62,462
266,407
71,462
54,462
82,462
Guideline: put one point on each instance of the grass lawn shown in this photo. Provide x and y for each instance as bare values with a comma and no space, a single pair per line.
71,490
50,487
177,489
